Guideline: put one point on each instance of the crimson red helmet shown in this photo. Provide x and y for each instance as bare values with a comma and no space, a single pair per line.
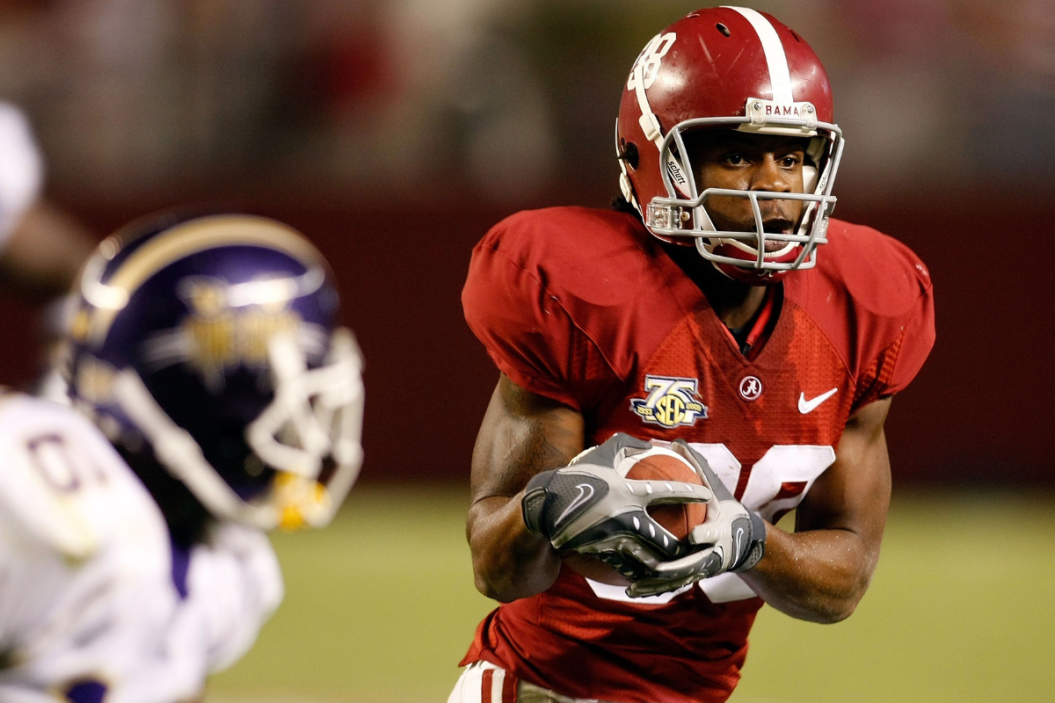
740,69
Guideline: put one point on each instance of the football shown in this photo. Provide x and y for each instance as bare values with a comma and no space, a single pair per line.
656,464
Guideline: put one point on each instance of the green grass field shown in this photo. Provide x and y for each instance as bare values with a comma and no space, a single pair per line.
380,607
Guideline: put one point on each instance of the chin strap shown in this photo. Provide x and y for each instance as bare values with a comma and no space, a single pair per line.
624,175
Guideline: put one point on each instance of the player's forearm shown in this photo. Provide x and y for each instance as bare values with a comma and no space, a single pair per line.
818,575
821,572
508,561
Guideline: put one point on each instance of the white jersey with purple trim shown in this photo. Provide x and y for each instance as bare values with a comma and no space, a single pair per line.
96,604
21,169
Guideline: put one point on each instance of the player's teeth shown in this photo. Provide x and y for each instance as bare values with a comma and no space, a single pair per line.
652,530
666,543
669,487
648,487
637,524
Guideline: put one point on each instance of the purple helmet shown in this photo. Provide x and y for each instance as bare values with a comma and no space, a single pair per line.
210,346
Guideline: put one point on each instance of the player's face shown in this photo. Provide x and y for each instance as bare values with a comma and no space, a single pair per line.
737,161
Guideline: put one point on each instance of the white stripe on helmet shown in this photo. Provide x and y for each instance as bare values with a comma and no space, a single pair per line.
779,74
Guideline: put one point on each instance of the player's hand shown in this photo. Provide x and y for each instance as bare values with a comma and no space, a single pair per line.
736,535
588,507
731,538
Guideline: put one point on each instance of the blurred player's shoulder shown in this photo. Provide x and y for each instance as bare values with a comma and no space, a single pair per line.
21,169
15,129
64,489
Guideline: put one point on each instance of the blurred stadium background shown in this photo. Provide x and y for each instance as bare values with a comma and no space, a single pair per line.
395,132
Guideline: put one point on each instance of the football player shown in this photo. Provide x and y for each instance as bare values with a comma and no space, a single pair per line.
41,248
214,396
718,308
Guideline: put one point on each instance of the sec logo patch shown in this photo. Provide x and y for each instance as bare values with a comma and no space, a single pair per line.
671,402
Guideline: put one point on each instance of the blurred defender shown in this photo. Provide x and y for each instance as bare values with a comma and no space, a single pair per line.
719,306
214,397
41,249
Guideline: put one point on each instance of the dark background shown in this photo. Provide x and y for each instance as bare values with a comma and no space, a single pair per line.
394,134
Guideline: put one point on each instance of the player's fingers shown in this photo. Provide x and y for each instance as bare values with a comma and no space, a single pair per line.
605,454
700,463
633,549
707,533
634,533
672,575
630,568
649,542
668,491
712,563
622,439
654,587
687,566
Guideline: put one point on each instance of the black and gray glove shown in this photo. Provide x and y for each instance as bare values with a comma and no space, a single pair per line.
731,538
590,508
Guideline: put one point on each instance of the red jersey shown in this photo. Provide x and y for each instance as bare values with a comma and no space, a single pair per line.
585,307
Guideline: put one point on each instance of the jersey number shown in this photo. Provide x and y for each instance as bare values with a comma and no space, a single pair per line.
62,468
650,60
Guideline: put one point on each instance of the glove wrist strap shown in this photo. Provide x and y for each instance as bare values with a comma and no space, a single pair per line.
533,504
758,544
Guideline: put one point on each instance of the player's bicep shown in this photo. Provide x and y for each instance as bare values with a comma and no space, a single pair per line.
522,434
854,493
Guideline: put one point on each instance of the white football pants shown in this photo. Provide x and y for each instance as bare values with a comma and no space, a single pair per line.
483,682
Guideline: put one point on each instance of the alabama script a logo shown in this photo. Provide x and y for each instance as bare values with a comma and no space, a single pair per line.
671,402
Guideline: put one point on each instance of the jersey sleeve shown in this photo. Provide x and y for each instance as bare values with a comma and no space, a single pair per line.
526,330
234,586
897,364
21,169
33,581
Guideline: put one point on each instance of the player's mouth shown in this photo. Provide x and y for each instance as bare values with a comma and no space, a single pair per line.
777,226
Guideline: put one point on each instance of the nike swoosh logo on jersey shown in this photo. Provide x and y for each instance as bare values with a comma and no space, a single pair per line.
739,536
585,493
808,406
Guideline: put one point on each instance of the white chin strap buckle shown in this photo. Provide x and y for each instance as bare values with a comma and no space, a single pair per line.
667,217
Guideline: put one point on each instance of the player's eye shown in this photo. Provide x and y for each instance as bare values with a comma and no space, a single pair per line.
789,161
734,159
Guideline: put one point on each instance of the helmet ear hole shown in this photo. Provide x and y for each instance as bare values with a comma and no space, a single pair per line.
630,155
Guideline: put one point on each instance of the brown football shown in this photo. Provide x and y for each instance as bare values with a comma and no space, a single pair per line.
657,464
